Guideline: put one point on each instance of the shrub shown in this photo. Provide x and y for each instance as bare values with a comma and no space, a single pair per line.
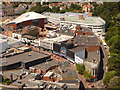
6,81
80,68
87,75
108,77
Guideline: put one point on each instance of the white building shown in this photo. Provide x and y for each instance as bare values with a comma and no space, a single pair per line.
97,24
48,42
3,45
6,42
79,54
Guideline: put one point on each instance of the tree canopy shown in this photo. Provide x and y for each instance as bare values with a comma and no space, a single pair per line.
108,77
110,12
114,82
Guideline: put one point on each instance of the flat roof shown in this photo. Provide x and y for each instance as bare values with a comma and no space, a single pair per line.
2,40
10,40
75,19
46,65
60,38
27,16
86,40
93,55
28,36
78,48
24,57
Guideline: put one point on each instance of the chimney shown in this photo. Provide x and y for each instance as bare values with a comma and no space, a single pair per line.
11,76
81,17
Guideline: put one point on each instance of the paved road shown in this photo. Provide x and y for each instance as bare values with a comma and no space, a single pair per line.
100,84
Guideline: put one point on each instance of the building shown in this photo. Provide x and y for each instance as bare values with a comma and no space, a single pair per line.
44,67
79,49
48,76
92,62
21,8
27,80
3,45
76,49
87,8
25,59
79,54
7,42
29,18
52,5
47,43
97,24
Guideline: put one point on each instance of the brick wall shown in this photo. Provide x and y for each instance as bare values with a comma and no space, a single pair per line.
93,48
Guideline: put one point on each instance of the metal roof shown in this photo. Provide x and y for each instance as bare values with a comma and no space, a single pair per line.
27,16
24,57
75,19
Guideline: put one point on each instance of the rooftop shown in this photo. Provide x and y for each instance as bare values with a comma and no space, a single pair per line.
86,40
93,55
48,74
46,65
60,38
78,48
27,16
10,40
28,36
24,57
75,19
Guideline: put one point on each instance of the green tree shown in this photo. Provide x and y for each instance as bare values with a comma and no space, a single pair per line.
35,9
75,7
114,44
108,76
80,68
114,82
63,11
40,9
109,11
56,9
112,29
114,62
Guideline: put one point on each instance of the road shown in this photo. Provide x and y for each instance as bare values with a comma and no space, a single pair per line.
100,84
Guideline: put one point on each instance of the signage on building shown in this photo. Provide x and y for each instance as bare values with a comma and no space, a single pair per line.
63,51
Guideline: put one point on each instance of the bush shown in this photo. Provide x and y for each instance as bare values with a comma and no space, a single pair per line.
87,75
80,68
108,77
6,81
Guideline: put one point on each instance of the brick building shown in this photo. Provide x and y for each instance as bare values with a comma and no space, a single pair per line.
29,18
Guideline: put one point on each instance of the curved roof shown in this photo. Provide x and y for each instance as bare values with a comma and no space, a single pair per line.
70,18
27,16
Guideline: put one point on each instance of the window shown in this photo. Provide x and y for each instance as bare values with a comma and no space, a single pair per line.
45,20
36,22
19,25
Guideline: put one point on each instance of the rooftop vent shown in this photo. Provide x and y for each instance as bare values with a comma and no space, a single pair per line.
29,54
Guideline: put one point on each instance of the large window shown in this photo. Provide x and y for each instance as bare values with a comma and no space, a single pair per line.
45,20
36,22
19,25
